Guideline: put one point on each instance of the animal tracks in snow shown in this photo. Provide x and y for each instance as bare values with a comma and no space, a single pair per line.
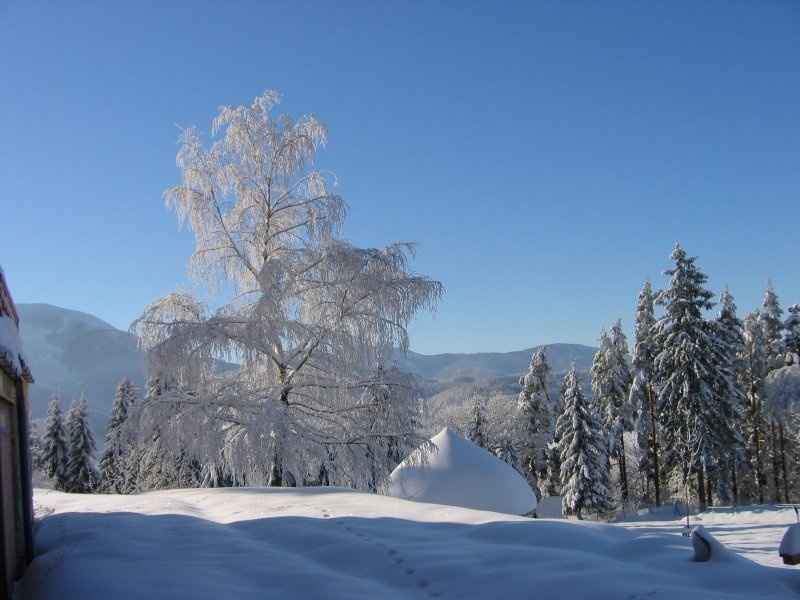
394,556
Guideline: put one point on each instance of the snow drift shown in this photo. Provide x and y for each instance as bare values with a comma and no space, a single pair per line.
333,543
457,472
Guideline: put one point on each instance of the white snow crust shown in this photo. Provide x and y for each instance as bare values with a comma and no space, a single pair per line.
11,345
460,473
790,544
335,543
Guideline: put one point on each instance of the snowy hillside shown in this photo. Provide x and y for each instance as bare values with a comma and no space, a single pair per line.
73,351
491,365
336,543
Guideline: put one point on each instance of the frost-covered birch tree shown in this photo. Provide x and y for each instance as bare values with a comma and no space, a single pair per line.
782,406
302,313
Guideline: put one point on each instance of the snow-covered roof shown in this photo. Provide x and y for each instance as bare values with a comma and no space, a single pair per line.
12,357
460,473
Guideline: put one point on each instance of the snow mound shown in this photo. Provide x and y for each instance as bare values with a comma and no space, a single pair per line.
460,473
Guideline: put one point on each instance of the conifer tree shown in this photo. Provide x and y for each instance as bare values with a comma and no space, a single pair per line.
550,485
389,397
583,451
791,326
754,423
158,461
114,466
687,369
533,403
82,474
772,322
55,448
34,446
642,394
477,431
727,452
611,382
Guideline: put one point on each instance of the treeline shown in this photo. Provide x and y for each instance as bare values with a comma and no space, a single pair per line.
701,405
66,450
706,406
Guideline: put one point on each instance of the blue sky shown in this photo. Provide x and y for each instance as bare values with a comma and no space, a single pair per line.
547,156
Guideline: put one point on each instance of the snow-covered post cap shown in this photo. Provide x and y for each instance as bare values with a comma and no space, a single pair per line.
12,357
789,549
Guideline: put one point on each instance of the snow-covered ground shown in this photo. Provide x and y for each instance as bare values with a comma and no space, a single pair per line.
336,543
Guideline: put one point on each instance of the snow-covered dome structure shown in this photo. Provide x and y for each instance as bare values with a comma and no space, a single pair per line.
461,473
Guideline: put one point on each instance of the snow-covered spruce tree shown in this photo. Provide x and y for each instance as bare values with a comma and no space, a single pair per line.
534,407
754,424
83,476
154,464
390,402
791,326
34,446
55,448
583,451
688,369
730,461
308,316
772,322
477,421
550,483
642,394
611,383
114,461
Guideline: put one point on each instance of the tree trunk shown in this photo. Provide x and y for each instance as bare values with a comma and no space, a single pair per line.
623,472
758,472
783,463
275,479
735,487
775,467
701,490
755,411
654,442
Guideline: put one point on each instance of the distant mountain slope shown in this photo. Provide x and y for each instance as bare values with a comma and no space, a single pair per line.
72,351
490,365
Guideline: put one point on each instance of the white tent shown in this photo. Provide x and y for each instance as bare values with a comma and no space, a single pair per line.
457,472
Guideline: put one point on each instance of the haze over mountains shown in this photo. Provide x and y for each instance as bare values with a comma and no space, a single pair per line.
72,351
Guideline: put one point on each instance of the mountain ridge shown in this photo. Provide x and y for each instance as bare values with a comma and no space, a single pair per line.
71,351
